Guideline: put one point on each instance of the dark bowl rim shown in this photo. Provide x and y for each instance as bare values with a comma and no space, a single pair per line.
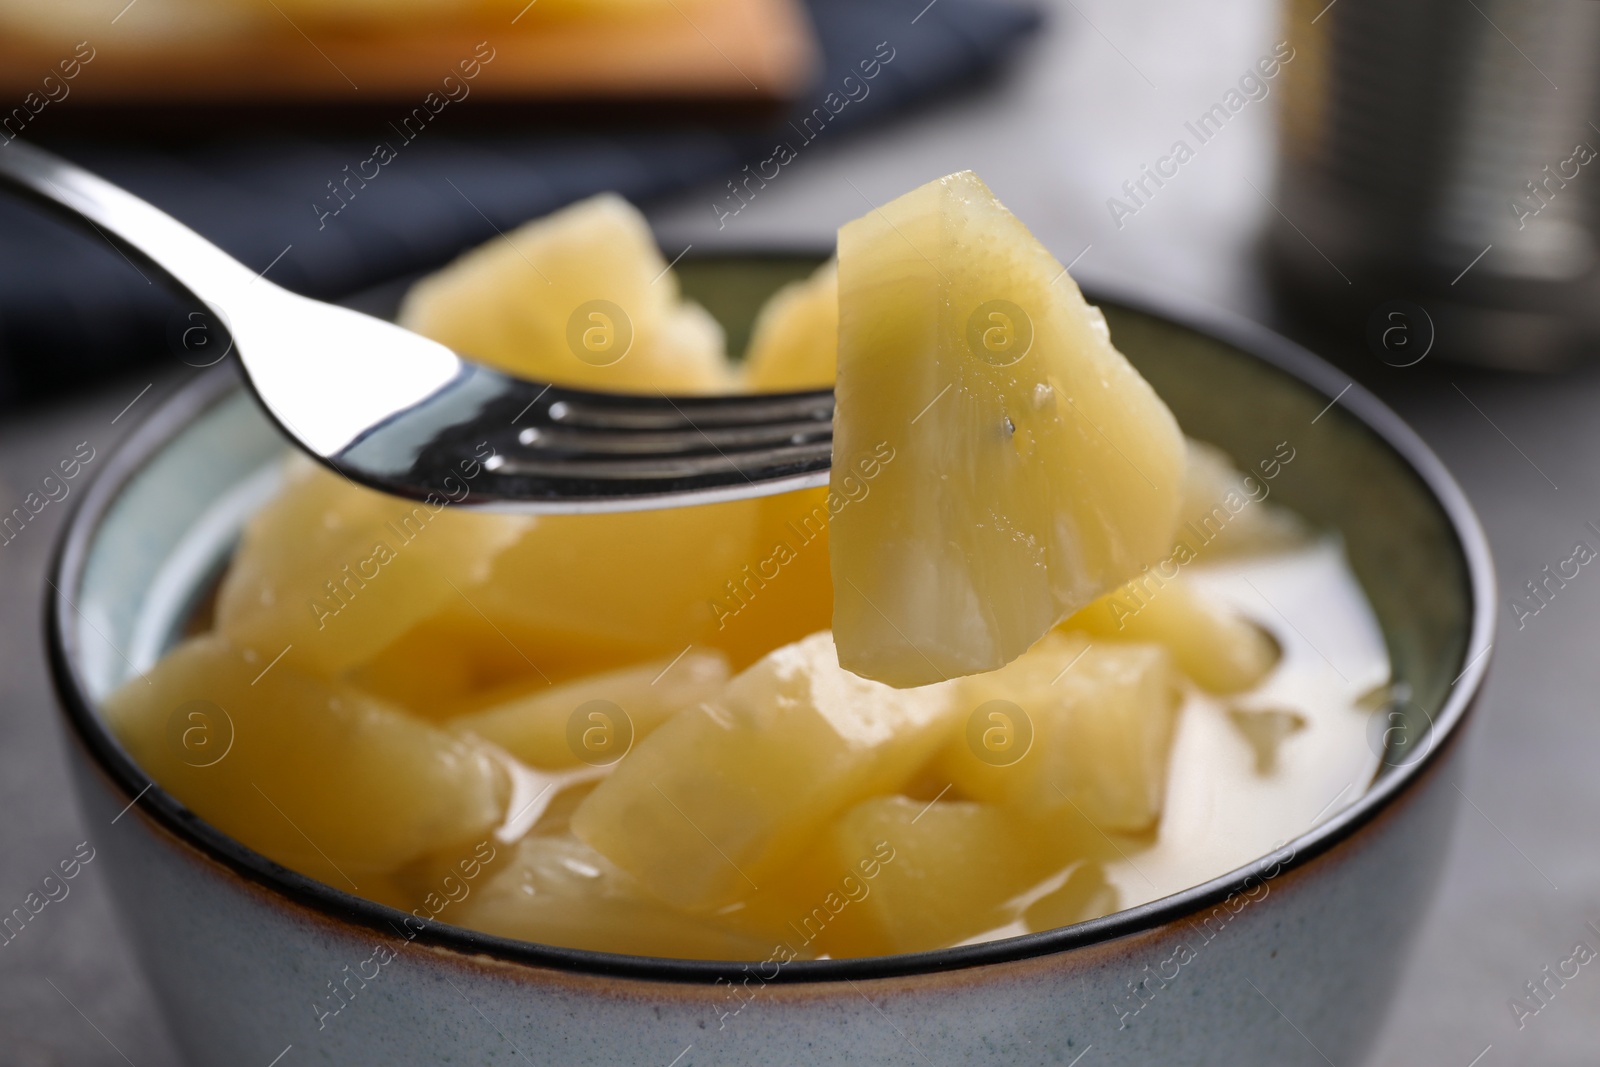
189,401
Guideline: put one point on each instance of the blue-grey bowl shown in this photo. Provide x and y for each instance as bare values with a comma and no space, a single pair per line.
1288,960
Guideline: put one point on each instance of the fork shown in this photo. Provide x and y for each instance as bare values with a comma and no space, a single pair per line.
399,413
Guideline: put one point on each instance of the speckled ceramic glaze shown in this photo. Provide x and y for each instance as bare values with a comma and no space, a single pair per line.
1290,960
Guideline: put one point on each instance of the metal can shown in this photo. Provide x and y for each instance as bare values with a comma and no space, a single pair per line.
1442,154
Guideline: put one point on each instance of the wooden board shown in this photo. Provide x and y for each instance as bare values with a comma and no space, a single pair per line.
754,54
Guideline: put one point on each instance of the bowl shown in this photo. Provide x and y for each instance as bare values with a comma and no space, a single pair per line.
1290,959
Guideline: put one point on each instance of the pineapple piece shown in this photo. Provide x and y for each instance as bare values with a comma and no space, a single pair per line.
944,872
439,880
317,776
795,341
556,890
537,727
1083,895
1218,649
459,661
622,587
1038,469
339,572
787,592
1225,512
637,584
727,792
1079,728
581,297
424,671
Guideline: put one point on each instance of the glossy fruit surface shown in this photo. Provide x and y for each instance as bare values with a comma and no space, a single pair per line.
1034,468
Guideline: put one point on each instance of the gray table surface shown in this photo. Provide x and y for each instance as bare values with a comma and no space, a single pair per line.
1106,88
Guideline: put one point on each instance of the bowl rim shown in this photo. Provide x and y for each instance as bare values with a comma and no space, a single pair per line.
165,422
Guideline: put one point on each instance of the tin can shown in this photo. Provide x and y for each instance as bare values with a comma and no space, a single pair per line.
1439,178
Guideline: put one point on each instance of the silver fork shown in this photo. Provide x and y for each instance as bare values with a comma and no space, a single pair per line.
400,413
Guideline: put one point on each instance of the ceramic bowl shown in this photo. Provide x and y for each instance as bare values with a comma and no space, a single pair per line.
1288,960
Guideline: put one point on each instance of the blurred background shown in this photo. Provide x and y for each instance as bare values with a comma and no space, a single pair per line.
1406,189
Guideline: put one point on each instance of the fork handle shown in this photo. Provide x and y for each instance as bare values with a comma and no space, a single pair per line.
128,223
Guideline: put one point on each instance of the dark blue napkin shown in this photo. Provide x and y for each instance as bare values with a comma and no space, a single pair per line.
72,310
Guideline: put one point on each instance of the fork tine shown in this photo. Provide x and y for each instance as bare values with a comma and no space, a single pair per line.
490,440
552,441
611,469
660,412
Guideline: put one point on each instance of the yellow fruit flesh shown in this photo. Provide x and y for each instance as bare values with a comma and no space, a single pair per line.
614,708
425,671
1218,650
459,661
583,298
1101,719
795,342
317,776
1226,512
945,872
559,891
784,591
640,583
1034,469
338,571
721,795
1083,894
